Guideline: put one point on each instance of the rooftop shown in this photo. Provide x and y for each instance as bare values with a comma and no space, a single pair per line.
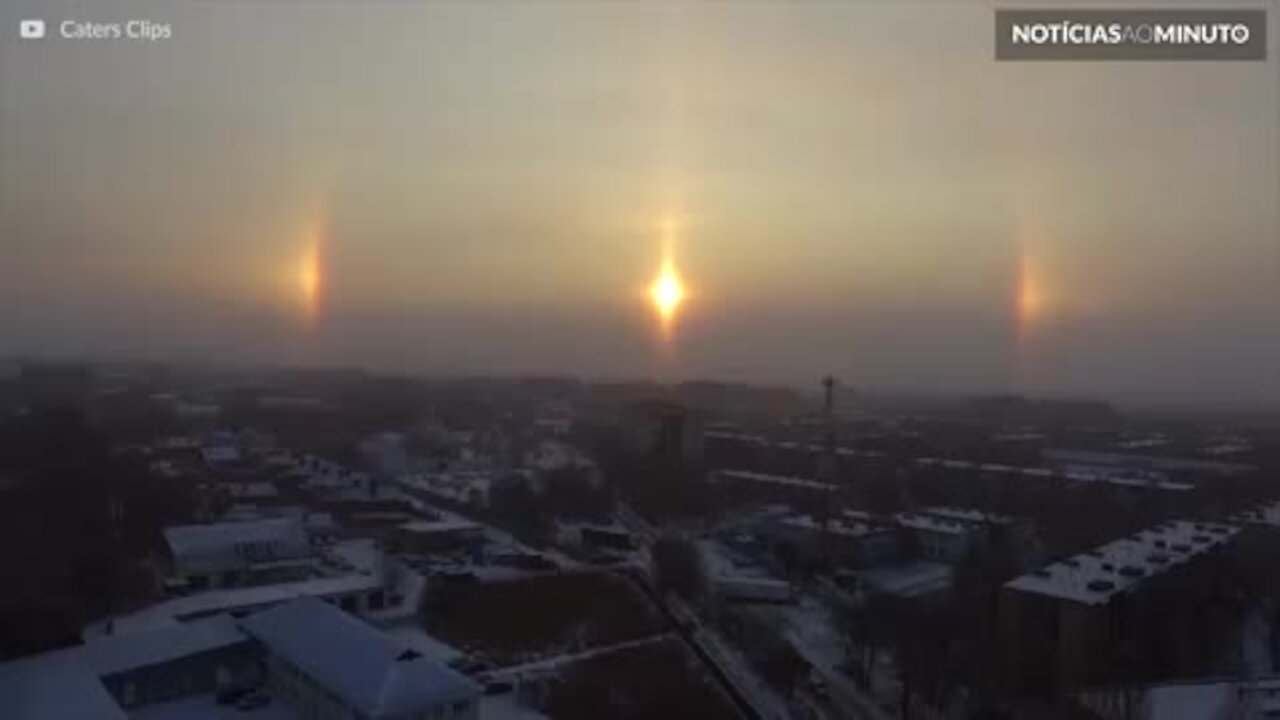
836,526
911,579
967,515
442,525
933,523
747,475
1095,577
217,544
177,609
1116,477
66,684
365,667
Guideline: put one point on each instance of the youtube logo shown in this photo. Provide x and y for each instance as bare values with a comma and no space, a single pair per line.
31,29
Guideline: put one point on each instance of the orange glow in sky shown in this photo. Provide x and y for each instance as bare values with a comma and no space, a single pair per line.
667,290
310,279
1030,294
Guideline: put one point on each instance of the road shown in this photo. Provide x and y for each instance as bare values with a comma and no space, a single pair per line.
514,671
687,625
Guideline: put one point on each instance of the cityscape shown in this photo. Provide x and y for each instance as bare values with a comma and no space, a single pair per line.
621,360
202,542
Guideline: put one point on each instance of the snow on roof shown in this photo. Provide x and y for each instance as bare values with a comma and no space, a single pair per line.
67,683
911,579
216,545
1094,577
836,526
787,445
931,523
1149,461
443,525
41,689
114,654
967,515
176,609
1092,474
362,665
749,476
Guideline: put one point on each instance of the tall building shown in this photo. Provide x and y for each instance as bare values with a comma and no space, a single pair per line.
665,430
1136,609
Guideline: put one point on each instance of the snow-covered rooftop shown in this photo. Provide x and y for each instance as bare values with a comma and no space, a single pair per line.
67,683
441,525
1094,577
933,523
749,476
215,546
967,515
835,526
177,609
365,667
1116,477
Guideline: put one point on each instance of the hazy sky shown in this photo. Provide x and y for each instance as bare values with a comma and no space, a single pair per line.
859,188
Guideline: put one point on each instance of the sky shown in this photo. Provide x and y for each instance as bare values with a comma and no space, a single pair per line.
853,187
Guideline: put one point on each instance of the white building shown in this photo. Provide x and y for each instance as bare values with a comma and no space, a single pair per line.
336,666
239,553
307,658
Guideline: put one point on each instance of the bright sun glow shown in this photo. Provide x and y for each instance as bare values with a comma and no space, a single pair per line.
666,292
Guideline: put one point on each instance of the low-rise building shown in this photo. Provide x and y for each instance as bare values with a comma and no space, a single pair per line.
248,552
845,539
440,534
1191,699
337,666
302,659
939,538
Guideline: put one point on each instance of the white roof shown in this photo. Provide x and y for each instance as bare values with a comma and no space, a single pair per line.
911,579
773,479
176,609
365,667
931,523
835,526
443,525
1094,577
40,689
67,683
216,546
967,515
1097,475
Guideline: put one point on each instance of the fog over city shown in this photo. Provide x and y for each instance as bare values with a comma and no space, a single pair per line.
855,188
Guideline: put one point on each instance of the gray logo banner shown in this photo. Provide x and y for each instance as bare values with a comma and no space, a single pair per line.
1131,34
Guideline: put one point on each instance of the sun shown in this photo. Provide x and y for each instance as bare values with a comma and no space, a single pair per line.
667,292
